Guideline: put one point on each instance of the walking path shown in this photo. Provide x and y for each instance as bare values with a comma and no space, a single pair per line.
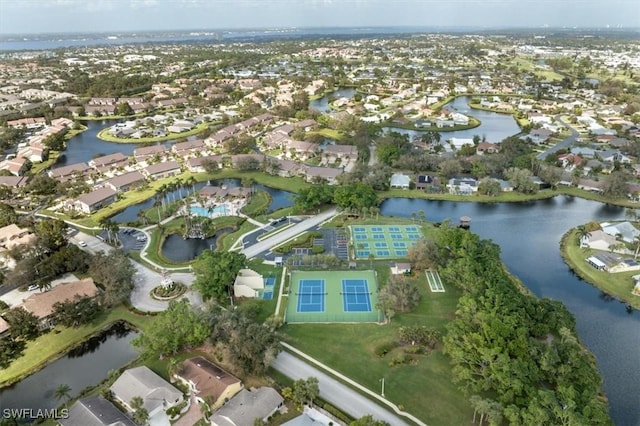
336,393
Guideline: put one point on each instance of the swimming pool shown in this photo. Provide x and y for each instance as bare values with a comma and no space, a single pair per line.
205,212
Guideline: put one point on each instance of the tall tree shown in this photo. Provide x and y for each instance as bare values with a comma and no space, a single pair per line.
114,271
215,272
172,330
62,391
400,294
23,323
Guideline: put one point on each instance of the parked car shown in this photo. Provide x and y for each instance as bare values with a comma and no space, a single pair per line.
82,244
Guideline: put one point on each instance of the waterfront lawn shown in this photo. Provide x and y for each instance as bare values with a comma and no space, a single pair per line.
503,197
618,285
426,389
333,134
106,136
57,342
227,240
291,184
258,203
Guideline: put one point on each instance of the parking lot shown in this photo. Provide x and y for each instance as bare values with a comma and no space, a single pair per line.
131,239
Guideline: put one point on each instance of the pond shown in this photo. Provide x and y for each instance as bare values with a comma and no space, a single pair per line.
529,235
178,249
279,199
322,104
86,365
494,127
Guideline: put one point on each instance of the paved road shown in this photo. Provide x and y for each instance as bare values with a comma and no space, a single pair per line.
333,391
280,237
564,144
145,279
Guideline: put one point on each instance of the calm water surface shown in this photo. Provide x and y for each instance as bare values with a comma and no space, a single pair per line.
85,366
529,235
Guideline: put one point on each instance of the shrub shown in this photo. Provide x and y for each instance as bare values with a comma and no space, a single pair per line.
317,249
384,348
400,360
414,350
337,413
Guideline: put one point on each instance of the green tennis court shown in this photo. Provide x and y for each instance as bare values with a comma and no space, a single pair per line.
435,283
332,296
384,241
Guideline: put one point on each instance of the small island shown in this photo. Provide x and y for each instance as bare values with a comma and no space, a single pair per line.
606,256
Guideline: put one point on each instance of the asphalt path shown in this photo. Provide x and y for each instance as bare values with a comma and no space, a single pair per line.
144,279
334,392
280,237
564,144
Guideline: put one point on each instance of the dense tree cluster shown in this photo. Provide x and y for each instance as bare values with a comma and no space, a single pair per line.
251,346
215,272
76,312
114,273
521,352
172,330
302,392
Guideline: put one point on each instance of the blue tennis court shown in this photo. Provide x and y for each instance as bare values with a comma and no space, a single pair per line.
359,229
360,236
401,253
269,282
381,245
384,241
311,296
378,236
356,296
362,253
411,229
399,244
414,236
267,295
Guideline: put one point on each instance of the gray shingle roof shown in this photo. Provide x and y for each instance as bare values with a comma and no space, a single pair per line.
95,411
143,382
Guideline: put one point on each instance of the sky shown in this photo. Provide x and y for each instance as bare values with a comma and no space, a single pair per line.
46,16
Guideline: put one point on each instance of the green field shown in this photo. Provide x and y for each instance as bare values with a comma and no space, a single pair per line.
333,302
423,387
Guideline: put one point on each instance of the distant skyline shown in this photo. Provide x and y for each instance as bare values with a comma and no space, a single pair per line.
47,16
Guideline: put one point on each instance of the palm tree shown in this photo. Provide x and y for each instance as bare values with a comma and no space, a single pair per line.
63,391
422,216
582,234
140,414
172,367
636,240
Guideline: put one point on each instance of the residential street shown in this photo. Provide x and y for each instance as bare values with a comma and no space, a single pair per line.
267,244
564,144
333,391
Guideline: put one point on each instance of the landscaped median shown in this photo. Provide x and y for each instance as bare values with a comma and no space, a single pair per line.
618,285
57,342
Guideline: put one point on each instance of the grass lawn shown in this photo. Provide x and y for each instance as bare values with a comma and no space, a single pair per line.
425,389
54,344
619,284
106,136
503,197
227,240
333,134
258,203
293,184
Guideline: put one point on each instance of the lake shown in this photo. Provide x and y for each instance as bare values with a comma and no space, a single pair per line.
529,236
84,366
178,249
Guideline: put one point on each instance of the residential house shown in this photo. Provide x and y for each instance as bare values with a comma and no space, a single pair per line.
108,162
612,263
570,161
284,168
623,230
12,235
162,170
301,149
147,153
63,174
28,123
16,166
401,181
458,143
327,174
157,395
598,240
42,304
189,148
95,411
208,382
540,136
125,182
487,148
196,164
180,126
248,283
247,406
338,152
14,182
426,181
612,156
95,200
462,186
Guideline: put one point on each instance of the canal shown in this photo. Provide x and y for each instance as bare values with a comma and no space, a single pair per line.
87,365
